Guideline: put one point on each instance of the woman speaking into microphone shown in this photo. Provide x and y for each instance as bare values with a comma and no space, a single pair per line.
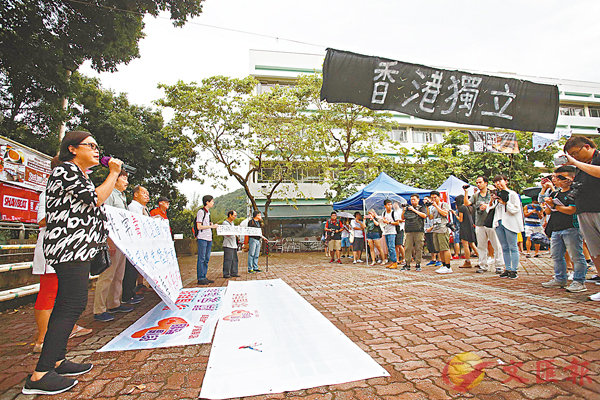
74,232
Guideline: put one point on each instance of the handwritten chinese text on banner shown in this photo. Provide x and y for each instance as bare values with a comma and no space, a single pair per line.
493,142
147,243
438,94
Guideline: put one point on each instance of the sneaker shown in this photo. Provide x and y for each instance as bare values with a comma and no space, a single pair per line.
505,274
512,275
443,270
554,283
70,368
455,257
595,297
226,276
570,276
379,262
332,260
576,287
405,267
392,266
438,264
104,317
256,270
203,282
594,278
359,260
131,301
124,308
481,270
250,272
499,270
339,261
51,383
430,263
373,263
418,268
235,276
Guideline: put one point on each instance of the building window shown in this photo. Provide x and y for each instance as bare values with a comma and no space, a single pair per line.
572,110
594,112
399,135
431,136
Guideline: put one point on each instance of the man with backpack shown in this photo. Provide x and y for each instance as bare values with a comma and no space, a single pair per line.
204,237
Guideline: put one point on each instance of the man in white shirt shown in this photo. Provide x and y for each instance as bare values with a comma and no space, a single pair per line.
390,222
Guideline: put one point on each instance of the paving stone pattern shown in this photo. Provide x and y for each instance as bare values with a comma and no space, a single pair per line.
412,323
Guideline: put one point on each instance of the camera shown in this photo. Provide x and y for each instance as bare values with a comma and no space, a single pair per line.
427,203
404,205
560,160
466,186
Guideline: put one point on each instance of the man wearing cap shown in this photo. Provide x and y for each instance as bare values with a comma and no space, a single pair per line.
161,210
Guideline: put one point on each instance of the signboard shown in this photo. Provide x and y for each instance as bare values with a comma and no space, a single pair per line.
540,141
223,230
493,142
148,245
193,321
21,166
438,94
18,204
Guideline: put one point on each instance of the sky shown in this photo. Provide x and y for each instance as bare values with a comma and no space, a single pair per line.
546,38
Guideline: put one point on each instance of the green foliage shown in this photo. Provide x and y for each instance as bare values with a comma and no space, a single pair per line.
42,40
235,200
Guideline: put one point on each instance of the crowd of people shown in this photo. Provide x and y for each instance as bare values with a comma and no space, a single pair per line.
491,224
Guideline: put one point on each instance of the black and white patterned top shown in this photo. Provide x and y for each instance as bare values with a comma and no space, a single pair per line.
75,224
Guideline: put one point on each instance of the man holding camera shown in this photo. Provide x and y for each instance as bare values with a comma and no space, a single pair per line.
441,233
582,153
480,201
414,217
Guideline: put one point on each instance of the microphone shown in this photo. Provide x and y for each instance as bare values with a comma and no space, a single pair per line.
127,168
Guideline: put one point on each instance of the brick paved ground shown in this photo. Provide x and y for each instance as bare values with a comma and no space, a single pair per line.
411,323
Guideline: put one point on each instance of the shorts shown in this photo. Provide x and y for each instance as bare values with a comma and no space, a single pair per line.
358,244
441,241
530,230
373,235
335,245
346,242
589,225
456,236
520,237
400,238
47,294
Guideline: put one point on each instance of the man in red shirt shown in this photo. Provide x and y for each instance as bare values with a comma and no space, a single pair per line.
161,210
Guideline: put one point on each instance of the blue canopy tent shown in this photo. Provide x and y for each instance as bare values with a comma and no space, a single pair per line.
454,187
383,183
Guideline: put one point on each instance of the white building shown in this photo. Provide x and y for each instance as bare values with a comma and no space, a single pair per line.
579,111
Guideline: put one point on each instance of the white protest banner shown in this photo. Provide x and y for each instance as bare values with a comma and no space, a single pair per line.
148,245
193,321
268,330
542,140
223,230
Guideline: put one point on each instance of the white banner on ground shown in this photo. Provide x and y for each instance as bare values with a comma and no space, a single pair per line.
270,340
148,245
192,322
223,230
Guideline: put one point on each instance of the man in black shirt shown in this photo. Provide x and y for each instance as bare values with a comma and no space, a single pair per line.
333,229
582,153
414,216
565,232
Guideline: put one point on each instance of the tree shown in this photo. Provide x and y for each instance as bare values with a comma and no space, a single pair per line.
352,138
239,133
162,155
41,41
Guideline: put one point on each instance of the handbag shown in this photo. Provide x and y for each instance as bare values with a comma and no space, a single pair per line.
351,237
101,260
489,219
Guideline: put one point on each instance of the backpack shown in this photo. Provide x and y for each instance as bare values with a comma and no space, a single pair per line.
195,225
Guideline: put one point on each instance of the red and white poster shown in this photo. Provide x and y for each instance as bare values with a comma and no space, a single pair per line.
22,166
18,204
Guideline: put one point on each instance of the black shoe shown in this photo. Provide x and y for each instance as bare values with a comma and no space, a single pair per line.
203,281
258,270
51,383
505,274
405,268
70,368
418,268
235,276
226,276
512,275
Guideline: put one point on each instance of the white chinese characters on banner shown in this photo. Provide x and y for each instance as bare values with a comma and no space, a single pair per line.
540,141
223,230
147,243
193,321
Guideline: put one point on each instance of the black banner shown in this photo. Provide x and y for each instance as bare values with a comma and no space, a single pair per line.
493,142
438,94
